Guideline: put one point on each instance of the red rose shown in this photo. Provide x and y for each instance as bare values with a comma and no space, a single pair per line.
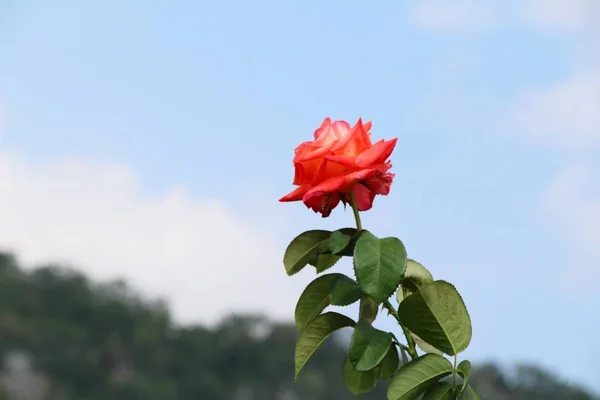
341,160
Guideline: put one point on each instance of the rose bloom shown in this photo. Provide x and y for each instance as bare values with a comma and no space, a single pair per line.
341,161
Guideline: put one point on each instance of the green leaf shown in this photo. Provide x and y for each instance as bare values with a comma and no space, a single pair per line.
368,346
359,382
464,370
404,356
469,394
402,293
379,265
415,276
368,309
348,251
322,292
324,261
338,241
423,345
345,292
305,249
437,314
417,376
314,299
390,363
439,391
315,333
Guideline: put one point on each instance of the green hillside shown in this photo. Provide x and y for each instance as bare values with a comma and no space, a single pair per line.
87,341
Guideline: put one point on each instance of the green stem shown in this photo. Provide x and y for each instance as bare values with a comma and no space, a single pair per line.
454,372
356,214
412,351
398,343
403,347
364,308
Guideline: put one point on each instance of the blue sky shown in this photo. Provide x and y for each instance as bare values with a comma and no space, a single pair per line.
133,128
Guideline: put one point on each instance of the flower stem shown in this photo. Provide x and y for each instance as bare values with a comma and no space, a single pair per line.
412,351
454,371
365,306
355,211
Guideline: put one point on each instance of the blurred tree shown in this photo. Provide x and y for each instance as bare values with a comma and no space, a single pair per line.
103,341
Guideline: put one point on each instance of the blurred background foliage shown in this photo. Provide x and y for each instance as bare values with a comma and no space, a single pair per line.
63,337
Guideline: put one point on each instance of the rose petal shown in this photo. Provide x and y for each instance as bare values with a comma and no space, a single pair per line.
314,152
303,149
358,176
344,140
367,129
355,177
382,168
319,131
355,142
299,174
331,134
380,183
328,186
323,203
296,194
347,161
363,197
341,184
376,154
319,175
331,169
340,128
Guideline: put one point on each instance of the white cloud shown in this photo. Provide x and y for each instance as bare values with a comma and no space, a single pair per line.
571,16
459,15
574,211
575,208
566,15
1,119
566,115
191,250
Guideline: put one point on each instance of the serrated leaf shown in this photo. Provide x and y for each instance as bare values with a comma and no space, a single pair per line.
469,394
323,262
402,293
415,276
368,346
338,241
359,382
424,346
315,333
345,292
305,249
390,363
379,265
322,292
417,376
368,309
437,314
314,299
348,251
439,391
464,370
